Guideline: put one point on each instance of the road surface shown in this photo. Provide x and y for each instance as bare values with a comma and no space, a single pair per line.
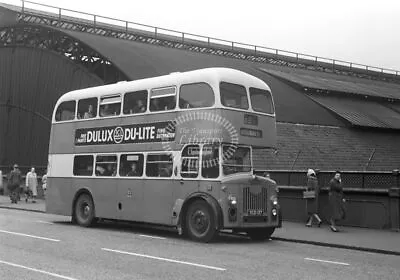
42,246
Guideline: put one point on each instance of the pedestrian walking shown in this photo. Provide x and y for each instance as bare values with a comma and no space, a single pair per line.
336,201
312,203
14,182
31,185
44,183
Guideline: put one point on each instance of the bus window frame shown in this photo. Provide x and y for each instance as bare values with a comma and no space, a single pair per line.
271,98
175,94
143,165
96,109
69,120
243,172
218,178
171,153
117,155
136,114
100,103
246,88
197,108
93,165
180,163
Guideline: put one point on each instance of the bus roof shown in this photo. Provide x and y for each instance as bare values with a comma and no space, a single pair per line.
209,75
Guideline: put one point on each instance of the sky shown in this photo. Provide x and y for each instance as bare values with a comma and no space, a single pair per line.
365,32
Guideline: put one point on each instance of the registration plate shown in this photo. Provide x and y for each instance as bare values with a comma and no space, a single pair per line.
255,212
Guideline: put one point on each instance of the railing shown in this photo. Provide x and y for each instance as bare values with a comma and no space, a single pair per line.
350,179
156,32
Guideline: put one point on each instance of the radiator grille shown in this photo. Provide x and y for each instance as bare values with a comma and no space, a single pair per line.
254,202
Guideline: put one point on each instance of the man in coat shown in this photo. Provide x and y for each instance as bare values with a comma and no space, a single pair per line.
14,182
336,200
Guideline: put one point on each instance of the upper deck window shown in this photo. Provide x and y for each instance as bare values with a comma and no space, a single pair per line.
233,95
261,100
135,102
110,105
65,111
87,108
196,96
163,99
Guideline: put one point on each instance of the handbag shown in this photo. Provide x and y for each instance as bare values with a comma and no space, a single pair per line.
308,194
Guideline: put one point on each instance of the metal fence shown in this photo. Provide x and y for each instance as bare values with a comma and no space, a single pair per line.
100,22
350,179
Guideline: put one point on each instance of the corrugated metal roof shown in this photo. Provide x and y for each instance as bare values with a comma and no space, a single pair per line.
361,112
337,83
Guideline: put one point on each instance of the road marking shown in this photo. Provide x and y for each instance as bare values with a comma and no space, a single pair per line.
317,260
151,236
45,222
38,270
28,235
164,259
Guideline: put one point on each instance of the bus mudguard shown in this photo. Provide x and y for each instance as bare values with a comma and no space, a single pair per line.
77,194
181,207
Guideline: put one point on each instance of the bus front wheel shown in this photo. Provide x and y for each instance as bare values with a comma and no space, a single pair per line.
259,234
200,222
84,211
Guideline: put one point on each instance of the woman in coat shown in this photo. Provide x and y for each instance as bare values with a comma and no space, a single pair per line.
31,184
336,200
312,203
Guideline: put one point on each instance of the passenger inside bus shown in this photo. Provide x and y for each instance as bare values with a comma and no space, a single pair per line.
140,107
165,169
105,111
106,170
89,113
134,171
155,105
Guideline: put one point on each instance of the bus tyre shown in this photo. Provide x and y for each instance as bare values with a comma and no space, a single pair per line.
200,222
259,234
84,211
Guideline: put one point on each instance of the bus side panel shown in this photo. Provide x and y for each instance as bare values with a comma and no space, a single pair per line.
59,196
158,201
62,140
130,195
103,191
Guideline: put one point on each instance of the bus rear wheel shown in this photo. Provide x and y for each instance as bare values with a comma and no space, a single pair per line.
260,234
200,222
84,211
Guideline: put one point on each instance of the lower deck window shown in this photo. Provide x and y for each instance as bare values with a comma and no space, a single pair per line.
106,165
83,165
131,165
159,165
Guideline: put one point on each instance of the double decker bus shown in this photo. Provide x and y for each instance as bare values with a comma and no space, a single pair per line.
174,150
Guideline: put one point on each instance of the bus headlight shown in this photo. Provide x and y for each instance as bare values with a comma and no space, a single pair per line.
274,199
232,199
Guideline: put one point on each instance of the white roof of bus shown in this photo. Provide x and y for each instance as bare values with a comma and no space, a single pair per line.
177,78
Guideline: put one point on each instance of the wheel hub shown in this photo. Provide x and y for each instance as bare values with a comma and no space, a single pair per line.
200,221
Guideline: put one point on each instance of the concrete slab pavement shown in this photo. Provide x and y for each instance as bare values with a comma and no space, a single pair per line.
370,240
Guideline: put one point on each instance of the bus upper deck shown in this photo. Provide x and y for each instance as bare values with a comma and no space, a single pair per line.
214,104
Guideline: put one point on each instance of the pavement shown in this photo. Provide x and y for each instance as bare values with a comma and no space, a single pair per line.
362,239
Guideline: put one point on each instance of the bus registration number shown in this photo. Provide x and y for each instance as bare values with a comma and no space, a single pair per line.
255,212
